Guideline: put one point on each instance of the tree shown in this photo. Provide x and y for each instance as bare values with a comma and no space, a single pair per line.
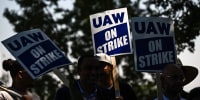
184,13
45,87
73,27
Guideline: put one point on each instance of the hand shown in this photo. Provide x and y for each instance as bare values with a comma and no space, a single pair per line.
119,98
26,97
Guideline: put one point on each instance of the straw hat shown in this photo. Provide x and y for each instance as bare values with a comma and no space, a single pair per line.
189,72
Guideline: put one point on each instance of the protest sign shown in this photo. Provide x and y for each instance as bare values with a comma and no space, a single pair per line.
35,52
111,35
110,32
154,43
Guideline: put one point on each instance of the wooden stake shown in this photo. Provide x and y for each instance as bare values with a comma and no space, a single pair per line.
159,87
115,78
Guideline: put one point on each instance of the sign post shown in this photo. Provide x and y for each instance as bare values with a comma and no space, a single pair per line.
159,87
154,45
115,78
111,35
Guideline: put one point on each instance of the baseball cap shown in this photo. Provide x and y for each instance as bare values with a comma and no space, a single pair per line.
102,57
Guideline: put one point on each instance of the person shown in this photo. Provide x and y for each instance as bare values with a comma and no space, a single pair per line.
173,78
105,79
21,83
85,87
194,94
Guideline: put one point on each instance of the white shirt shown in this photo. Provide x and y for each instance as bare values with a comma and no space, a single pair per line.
5,96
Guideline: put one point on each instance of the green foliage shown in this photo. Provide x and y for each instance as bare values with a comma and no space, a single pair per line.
70,30
185,14
45,87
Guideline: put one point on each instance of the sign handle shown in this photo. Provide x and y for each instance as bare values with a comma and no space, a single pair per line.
61,76
115,77
159,87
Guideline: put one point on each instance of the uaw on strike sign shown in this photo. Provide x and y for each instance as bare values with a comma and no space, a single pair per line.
35,52
154,43
110,32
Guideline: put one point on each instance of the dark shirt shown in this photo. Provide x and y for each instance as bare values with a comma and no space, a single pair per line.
125,91
74,93
63,94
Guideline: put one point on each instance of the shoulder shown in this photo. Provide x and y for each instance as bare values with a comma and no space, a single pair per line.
104,94
125,86
34,95
63,89
62,93
5,96
127,91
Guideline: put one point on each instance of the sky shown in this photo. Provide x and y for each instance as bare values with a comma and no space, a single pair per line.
6,30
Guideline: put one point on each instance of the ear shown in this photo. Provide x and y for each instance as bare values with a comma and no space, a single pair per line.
20,74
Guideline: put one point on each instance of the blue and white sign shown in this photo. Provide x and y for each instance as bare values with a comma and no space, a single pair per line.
154,43
35,52
111,32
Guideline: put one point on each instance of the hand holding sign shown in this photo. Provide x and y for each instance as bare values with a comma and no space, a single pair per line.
111,35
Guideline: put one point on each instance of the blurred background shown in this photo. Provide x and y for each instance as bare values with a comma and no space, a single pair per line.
66,22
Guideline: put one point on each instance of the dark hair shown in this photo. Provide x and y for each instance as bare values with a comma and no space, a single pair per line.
13,66
81,58
195,92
